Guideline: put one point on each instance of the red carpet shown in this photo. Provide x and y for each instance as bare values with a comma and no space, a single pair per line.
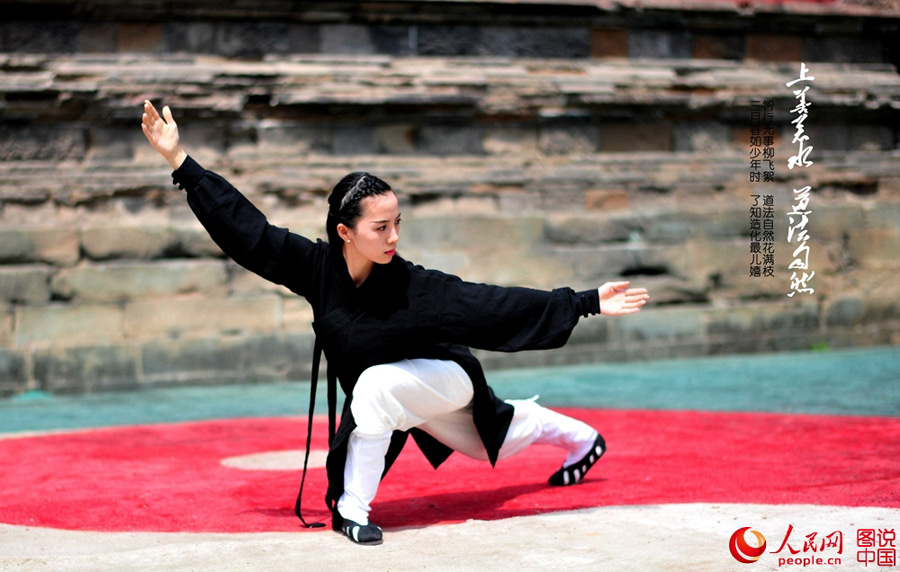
169,477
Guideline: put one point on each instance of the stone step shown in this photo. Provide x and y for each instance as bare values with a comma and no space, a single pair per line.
521,183
93,87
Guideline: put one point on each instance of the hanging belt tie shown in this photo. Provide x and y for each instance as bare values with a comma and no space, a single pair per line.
332,415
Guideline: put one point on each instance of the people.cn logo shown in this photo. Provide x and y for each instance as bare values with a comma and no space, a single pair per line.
742,551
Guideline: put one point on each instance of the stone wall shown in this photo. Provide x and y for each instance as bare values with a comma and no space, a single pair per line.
543,144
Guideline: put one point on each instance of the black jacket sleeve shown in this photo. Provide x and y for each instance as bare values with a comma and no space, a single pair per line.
242,231
508,319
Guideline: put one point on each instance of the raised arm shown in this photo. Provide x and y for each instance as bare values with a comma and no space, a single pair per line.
232,221
162,133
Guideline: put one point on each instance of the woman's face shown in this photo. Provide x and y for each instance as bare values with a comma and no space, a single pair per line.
377,231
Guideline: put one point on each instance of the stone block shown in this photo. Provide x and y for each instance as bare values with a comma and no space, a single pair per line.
25,284
398,41
843,49
242,281
280,357
659,44
447,40
829,223
113,143
590,331
845,311
41,143
6,325
605,200
720,265
191,37
86,369
395,139
346,39
567,139
58,246
705,137
68,325
292,140
178,317
477,233
39,37
627,137
534,42
353,140
822,137
193,241
871,138
582,229
773,47
449,140
298,315
243,359
304,39
214,359
718,46
595,265
670,324
882,216
98,37
509,141
135,242
14,376
249,39
609,43
875,248
140,37
115,282
775,318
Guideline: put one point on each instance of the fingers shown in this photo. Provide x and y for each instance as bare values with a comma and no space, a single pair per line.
150,112
167,115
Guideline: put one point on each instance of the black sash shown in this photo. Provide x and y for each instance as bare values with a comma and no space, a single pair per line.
332,416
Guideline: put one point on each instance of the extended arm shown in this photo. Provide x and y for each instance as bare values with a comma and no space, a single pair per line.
516,319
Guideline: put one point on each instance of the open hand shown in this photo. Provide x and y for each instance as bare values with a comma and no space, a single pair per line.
162,133
617,299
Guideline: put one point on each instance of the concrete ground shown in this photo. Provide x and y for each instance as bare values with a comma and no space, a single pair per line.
689,537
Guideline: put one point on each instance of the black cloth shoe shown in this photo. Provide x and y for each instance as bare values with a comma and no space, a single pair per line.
574,473
367,534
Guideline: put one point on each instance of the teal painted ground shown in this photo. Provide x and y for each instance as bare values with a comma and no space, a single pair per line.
846,382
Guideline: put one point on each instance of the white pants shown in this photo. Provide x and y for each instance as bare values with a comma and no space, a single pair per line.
436,397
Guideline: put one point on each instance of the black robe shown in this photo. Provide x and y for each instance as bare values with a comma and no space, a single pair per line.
401,311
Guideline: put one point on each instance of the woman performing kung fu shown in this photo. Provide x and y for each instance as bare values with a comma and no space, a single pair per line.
398,336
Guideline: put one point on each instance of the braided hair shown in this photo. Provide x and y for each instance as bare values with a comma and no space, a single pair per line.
344,202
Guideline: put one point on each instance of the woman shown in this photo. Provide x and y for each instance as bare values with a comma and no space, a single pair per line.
397,335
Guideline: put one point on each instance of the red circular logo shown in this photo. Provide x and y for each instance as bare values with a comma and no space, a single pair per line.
741,549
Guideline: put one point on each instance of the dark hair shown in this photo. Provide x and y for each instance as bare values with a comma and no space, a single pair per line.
343,202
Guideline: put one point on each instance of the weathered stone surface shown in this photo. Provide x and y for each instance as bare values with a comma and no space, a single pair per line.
177,317
136,242
6,325
523,162
79,369
52,246
117,282
227,360
13,372
66,325
27,284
